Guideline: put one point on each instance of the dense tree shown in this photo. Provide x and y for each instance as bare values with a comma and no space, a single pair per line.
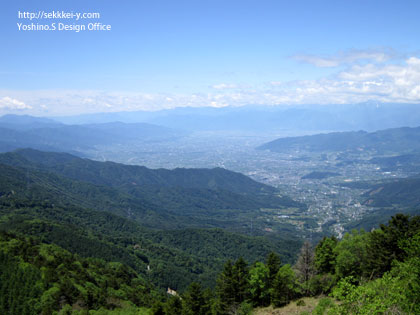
27,285
232,286
194,302
325,256
383,246
173,306
240,275
285,286
351,254
259,284
225,289
273,262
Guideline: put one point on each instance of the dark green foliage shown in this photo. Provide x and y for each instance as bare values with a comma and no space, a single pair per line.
173,306
156,198
194,302
57,210
321,284
225,288
21,286
176,258
273,262
232,286
157,308
285,287
240,275
325,256
384,243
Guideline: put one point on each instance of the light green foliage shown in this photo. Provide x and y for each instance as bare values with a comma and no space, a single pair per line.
351,254
45,278
325,256
258,284
397,292
324,305
375,297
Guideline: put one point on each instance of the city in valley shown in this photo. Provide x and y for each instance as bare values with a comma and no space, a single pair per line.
324,181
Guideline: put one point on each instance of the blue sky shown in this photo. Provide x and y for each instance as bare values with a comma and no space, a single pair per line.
164,54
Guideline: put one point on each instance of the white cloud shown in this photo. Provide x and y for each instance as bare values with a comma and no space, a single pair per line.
360,82
346,57
224,86
12,103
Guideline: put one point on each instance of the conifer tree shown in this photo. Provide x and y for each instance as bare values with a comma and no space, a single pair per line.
225,289
173,306
273,264
240,275
285,287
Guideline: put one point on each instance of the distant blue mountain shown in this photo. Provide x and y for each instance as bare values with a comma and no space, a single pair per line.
49,135
26,122
368,116
388,141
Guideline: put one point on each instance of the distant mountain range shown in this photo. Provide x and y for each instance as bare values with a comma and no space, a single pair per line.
368,116
396,140
49,135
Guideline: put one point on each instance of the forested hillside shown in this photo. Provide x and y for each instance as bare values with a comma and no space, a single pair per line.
76,236
155,198
113,224
364,273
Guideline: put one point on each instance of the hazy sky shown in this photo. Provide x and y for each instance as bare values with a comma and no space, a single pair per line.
164,54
